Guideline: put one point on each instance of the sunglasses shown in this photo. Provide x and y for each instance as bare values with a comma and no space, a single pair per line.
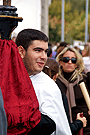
66,59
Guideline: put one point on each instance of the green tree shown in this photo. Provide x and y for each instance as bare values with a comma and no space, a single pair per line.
74,20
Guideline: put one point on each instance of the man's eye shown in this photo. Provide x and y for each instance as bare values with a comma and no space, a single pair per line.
46,51
37,50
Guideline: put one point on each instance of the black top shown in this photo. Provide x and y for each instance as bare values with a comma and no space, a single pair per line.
45,127
75,126
79,99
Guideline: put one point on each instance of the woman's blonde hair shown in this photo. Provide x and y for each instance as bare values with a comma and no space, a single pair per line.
79,63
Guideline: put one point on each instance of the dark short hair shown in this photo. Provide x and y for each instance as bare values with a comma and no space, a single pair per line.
27,36
51,67
49,52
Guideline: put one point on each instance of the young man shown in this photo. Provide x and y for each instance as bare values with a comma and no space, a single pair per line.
33,46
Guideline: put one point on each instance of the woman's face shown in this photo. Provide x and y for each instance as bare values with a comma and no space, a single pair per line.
68,66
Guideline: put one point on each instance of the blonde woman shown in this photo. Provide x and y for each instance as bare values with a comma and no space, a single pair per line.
51,68
71,72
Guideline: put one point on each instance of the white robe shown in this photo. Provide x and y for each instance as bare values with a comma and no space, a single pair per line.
50,102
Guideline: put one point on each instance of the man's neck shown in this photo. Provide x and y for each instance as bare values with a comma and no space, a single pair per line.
33,73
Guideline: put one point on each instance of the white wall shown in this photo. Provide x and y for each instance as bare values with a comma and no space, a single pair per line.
30,11
1,2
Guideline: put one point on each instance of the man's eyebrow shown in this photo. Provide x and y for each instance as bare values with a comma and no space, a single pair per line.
38,48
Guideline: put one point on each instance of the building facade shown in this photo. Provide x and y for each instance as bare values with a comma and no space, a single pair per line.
34,14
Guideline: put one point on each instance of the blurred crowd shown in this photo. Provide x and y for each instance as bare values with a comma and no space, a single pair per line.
55,49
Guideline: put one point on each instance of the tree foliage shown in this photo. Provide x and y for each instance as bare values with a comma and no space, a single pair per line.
74,20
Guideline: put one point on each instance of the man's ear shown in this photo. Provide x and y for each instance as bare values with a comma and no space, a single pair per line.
22,51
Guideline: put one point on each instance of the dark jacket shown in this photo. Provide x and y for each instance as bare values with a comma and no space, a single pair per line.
79,99
77,124
45,127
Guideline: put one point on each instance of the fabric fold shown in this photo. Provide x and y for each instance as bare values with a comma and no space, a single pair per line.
20,101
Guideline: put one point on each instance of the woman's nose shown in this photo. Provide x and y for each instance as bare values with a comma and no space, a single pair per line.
70,61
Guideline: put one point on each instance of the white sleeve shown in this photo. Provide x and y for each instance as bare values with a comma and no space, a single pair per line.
52,105
50,102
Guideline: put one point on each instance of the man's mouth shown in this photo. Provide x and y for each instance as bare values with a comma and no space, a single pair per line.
41,64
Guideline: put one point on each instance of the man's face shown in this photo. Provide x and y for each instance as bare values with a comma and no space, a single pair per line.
35,57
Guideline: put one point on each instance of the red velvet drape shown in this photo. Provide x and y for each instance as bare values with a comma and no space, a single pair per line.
20,101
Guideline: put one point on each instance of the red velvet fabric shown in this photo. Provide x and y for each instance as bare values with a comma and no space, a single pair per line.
20,101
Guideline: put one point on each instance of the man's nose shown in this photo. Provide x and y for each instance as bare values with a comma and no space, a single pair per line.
44,55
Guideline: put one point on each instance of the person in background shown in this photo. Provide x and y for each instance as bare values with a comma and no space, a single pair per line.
55,46
49,52
86,56
72,72
61,47
3,118
51,68
33,46
77,47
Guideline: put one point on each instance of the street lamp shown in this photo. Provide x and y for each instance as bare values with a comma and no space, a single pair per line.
86,24
62,23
